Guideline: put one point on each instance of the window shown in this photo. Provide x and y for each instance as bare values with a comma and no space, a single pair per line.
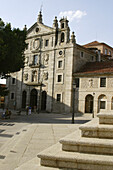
37,29
60,64
58,98
102,104
62,25
13,80
103,82
59,78
62,37
106,51
27,45
35,59
60,52
12,95
77,82
109,52
81,54
46,43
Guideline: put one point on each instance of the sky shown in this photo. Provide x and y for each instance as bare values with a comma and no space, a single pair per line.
90,19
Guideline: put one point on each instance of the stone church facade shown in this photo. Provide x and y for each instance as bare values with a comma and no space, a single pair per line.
51,58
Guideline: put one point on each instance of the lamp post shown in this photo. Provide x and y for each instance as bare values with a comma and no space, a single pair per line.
73,109
93,106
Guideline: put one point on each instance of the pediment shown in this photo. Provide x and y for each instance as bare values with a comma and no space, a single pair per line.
38,29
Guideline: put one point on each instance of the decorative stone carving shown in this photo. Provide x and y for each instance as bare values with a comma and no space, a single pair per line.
91,83
46,58
26,76
45,75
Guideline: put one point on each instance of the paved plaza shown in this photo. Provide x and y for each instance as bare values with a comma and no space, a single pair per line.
23,136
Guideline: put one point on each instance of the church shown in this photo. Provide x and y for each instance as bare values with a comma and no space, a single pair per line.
53,60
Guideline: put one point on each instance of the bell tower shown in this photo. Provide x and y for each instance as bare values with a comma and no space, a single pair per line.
65,30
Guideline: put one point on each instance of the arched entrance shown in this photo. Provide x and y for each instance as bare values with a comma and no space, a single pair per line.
24,94
43,100
33,98
89,104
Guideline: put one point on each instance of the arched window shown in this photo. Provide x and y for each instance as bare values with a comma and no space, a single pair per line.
62,26
62,37
102,101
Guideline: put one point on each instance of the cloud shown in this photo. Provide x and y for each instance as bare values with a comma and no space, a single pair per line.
71,15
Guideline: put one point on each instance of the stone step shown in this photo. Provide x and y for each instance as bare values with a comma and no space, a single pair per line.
75,143
55,157
93,129
34,164
105,118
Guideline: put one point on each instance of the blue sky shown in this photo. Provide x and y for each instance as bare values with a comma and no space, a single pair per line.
89,19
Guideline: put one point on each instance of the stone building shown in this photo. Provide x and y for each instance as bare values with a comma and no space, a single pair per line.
51,58
104,48
95,90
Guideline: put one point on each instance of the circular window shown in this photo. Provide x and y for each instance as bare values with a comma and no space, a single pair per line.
60,52
37,29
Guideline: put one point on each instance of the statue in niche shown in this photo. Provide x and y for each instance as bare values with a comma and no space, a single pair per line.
46,58
45,75
26,77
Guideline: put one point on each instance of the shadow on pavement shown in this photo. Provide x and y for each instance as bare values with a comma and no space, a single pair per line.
53,118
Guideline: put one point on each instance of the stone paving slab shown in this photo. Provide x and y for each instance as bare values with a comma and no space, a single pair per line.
32,135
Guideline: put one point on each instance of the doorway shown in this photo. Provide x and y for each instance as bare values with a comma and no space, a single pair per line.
89,104
33,98
43,100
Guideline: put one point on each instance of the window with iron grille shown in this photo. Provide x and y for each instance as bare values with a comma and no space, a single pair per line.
60,64
59,78
58,97
103,82
102,104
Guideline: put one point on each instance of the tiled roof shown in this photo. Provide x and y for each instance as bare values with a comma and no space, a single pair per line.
96,68
92,43
96,43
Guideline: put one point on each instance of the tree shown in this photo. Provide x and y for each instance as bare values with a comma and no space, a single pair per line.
12,46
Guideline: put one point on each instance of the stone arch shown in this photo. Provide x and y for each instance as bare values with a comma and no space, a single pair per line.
89,103
62,37
102,102
33,98
24,95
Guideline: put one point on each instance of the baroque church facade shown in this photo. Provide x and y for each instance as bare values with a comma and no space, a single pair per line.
52,57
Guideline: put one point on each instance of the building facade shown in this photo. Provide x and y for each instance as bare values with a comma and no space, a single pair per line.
104,48
51,58
95,90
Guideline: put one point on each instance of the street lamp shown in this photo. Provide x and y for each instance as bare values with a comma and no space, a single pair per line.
73,109
93,106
